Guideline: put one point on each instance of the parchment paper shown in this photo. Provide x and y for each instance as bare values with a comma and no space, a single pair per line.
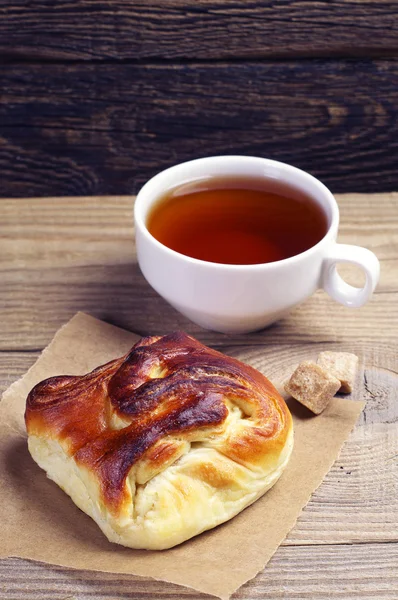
40,522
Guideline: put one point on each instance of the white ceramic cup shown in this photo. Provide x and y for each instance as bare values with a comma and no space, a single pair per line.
242,298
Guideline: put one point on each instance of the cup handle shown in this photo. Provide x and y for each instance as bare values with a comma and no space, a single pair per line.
335,285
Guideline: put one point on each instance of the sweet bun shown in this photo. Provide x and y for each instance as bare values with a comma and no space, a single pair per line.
161,444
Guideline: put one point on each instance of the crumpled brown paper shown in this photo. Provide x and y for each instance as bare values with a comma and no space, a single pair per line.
40,522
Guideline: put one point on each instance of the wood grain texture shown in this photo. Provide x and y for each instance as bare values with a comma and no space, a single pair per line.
190,29
85,129
59,257
306,573
36,304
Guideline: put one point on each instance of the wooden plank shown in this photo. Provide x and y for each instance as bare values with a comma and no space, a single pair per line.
120,295
175,29
358,500
41,233
352,572
86,129
13,365
79,255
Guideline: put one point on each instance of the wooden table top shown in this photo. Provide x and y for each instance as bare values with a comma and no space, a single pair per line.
59,256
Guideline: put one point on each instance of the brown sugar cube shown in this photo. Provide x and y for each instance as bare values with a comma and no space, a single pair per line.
342,365
312,386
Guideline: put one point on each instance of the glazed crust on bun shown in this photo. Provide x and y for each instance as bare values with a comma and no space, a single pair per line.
163,443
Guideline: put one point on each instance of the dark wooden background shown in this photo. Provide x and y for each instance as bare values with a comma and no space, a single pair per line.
95,96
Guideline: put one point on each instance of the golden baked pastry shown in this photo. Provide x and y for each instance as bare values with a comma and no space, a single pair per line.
161,444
